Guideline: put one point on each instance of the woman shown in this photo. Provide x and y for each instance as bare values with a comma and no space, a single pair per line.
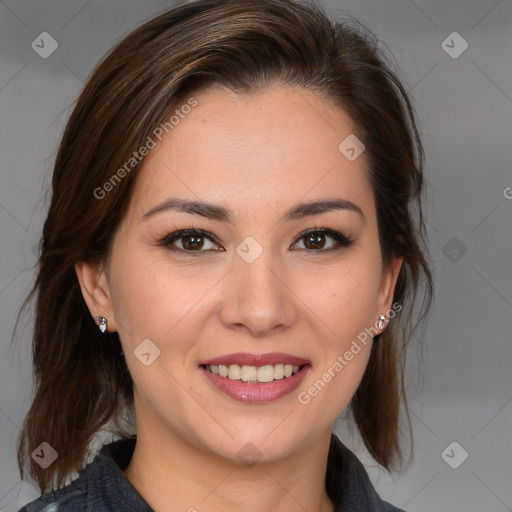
233,250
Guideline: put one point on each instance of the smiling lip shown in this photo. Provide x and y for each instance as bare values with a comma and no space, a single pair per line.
241,358
256,392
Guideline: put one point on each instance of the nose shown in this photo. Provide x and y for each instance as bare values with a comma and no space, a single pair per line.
258,298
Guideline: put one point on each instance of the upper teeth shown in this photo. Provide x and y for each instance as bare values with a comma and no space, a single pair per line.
248,373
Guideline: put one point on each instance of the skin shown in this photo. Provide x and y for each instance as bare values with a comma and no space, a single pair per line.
257,155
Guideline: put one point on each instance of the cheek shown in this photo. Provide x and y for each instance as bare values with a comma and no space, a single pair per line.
343,303
150,301
156,314
343,300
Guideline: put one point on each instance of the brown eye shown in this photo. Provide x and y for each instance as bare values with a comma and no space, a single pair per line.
316,240
190,240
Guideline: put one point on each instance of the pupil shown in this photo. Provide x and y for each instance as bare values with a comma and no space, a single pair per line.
196,242
315,240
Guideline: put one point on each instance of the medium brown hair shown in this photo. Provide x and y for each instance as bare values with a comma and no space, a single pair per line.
81,379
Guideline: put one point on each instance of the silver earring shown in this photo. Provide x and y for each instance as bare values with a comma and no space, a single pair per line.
102,323
380,325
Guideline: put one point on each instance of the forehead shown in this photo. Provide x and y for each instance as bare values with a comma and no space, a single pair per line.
255,152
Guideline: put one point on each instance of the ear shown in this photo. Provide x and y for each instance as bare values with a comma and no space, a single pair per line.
387,286
96,291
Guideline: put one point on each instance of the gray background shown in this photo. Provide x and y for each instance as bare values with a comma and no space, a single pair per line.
465,109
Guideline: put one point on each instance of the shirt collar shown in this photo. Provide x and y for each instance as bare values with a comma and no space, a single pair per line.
347,482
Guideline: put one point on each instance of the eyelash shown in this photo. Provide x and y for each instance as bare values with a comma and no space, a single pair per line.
341,240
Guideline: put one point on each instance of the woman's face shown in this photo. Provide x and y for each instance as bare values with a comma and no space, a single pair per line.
253,281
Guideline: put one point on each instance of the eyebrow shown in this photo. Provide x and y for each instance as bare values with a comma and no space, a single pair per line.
221,214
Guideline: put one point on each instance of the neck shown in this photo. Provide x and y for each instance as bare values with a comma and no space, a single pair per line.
169,471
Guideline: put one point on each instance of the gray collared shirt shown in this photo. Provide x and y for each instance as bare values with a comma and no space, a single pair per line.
102,486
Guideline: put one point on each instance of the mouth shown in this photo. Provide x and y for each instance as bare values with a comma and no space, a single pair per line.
256,378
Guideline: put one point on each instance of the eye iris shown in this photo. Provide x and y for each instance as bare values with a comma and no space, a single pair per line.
314,239
193,242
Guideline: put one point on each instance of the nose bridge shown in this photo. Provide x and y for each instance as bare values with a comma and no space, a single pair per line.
258,296
258,280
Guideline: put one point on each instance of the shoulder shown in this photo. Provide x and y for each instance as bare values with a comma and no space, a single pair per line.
99,484
348,483
387,507
72,497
